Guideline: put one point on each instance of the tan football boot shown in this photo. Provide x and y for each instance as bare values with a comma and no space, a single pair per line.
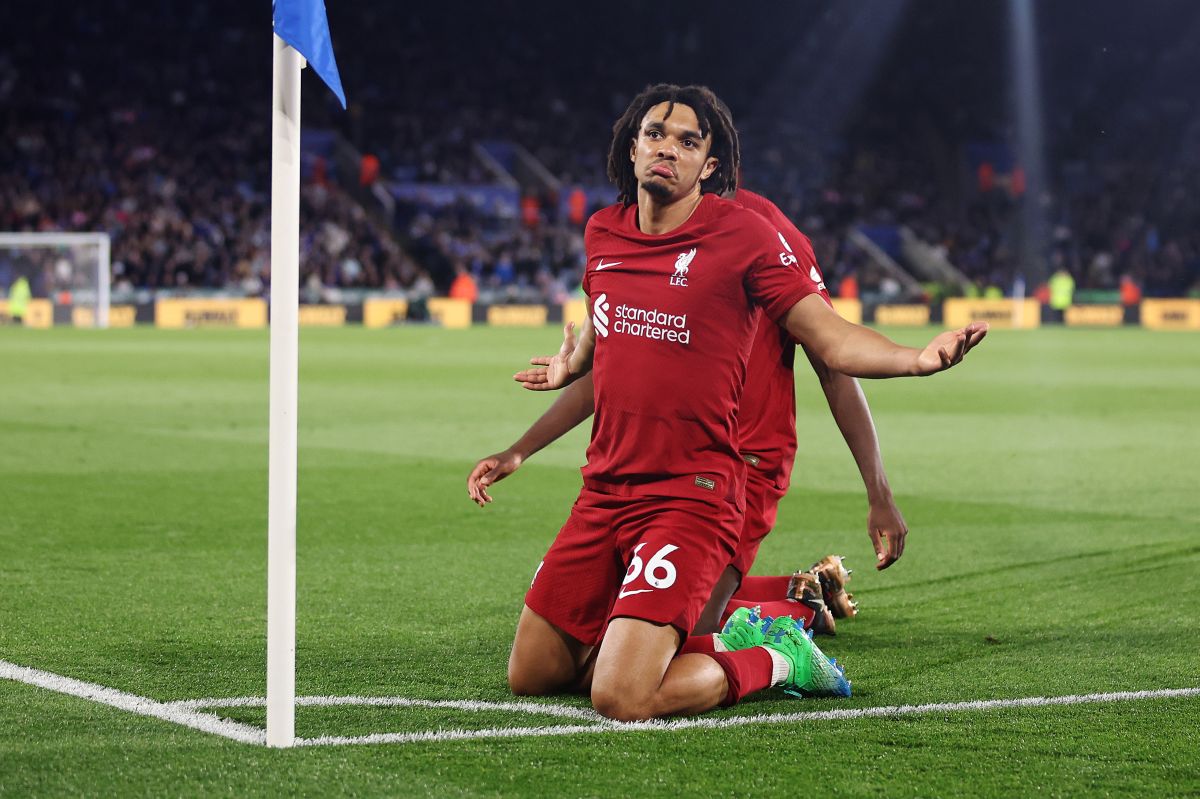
834,575
805,588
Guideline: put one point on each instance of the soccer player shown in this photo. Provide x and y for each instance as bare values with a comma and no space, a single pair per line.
767,422
674,275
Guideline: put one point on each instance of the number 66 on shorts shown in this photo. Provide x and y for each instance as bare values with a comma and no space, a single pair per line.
658,571
654,558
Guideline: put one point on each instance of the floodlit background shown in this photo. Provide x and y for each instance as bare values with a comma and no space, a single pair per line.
477,135
947,159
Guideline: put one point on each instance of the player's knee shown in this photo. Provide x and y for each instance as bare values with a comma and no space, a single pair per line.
538,674
620,705
524,685
529,682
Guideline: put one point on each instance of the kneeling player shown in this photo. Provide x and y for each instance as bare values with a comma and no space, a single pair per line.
767,420
663,485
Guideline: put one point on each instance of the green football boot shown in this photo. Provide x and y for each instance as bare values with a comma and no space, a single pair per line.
811,673
744,628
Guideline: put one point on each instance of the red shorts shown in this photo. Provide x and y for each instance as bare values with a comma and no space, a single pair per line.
762,505
650,558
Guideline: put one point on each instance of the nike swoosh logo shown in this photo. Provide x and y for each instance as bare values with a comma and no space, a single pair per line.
624,594
603,265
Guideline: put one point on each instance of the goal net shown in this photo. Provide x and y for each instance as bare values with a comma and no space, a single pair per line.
71,270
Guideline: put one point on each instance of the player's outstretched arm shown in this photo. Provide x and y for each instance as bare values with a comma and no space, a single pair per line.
571,407
861,352
848,404
572,361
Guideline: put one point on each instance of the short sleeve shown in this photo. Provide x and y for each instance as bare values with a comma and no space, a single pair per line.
589,238
782,273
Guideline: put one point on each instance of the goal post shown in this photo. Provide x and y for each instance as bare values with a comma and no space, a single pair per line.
69,269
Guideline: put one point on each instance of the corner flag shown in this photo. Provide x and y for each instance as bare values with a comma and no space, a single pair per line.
303,25
301,32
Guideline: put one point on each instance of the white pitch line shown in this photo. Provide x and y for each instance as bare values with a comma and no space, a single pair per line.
436,736
141,705
534,708
741,721
184,712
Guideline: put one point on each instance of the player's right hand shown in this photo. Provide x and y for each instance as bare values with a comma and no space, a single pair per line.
489,470
554,370
534,379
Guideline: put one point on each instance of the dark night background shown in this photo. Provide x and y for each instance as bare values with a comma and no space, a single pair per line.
477,133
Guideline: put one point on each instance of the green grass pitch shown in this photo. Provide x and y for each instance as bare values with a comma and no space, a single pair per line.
1052,485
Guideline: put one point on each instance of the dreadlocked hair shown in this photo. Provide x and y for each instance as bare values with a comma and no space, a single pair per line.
714,118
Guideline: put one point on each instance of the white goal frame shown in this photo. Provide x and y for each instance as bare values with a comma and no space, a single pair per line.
103,267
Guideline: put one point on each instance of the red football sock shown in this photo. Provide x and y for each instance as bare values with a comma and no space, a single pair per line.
762,589
783,607
746,671
698,645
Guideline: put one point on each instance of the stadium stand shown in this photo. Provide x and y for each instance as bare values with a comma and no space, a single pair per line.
166,148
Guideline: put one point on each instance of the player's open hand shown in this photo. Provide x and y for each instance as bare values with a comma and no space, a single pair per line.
887,529
534,379
949,348
551,371
489,470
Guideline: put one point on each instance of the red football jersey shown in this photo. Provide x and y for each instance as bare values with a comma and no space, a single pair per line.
675,317
768,411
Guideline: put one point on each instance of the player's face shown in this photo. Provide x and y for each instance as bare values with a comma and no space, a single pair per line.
669,155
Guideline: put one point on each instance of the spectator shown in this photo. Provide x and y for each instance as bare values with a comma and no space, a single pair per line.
463,287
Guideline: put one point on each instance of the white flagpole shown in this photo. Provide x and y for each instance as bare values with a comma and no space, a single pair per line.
285,298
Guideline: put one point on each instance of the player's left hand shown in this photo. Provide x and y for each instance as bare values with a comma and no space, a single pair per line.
950,348
489,470
886,526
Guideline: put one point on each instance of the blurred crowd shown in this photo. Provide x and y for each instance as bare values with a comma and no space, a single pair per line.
171,158
515,263
167,148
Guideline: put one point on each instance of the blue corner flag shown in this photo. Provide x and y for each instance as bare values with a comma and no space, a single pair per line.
303,25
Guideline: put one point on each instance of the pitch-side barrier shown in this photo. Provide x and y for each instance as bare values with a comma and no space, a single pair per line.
384,312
